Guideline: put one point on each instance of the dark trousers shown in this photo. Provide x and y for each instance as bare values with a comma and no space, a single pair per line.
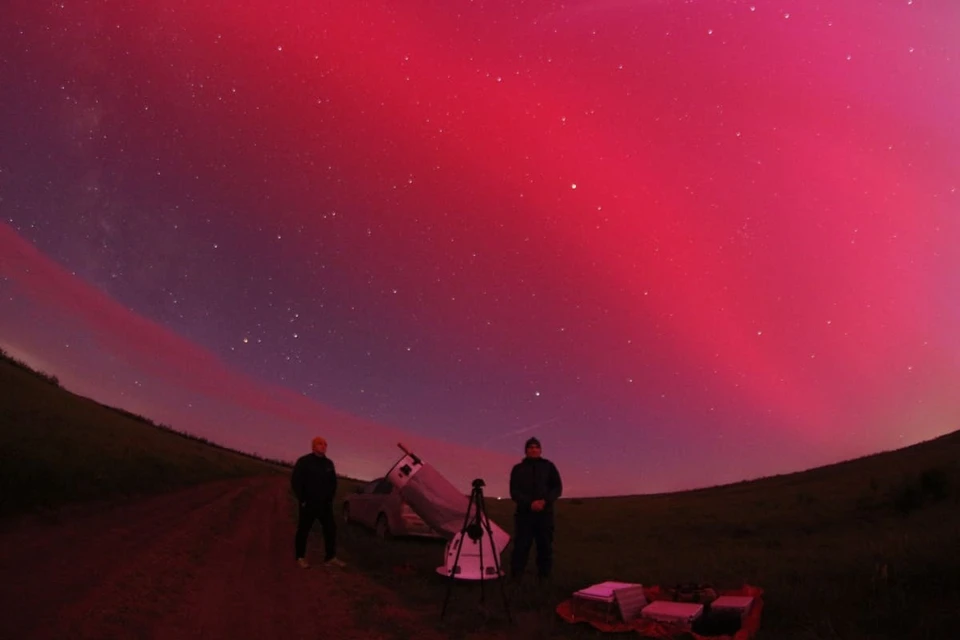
533,527
324,513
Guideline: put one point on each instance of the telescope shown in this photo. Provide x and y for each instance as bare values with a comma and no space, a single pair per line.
474,542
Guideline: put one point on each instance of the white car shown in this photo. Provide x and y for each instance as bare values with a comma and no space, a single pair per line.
378,505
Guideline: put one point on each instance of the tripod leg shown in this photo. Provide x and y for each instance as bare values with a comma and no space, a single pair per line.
456,559
451,579
496,564
483,573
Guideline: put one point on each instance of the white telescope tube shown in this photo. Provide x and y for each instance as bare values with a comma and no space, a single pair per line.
442,506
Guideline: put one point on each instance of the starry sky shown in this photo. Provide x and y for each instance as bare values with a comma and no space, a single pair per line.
682,243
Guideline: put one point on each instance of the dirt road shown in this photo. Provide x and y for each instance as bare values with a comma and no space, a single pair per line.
213,561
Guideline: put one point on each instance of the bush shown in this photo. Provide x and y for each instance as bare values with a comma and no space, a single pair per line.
54,380
909,498
932,485
935,484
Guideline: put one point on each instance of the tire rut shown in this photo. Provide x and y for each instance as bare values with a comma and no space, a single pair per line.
88,569
214,562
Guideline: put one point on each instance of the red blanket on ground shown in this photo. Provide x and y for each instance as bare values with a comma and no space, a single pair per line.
661,630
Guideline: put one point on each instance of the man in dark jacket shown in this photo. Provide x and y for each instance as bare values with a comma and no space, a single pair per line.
534,486
314,483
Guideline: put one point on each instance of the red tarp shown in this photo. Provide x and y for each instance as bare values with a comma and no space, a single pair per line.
661,630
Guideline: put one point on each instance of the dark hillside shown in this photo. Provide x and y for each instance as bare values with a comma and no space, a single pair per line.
59,448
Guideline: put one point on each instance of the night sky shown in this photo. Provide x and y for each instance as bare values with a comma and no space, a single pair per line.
683,243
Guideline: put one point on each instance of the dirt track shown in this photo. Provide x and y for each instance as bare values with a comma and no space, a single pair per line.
214,561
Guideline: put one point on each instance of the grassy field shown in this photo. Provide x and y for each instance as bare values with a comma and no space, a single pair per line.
864,549
59,448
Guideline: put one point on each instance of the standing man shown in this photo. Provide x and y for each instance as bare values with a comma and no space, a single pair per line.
314,483
534,486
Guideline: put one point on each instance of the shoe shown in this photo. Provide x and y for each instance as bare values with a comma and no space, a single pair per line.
335,562
303,563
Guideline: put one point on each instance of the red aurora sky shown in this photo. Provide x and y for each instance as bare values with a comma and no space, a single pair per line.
683,243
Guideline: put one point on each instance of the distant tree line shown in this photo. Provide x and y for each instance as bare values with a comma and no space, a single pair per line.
52,379
46,377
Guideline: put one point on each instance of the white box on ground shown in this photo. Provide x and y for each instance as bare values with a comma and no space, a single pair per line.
740,604
604,591
676,612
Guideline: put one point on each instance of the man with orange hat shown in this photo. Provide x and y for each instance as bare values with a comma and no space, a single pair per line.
314,483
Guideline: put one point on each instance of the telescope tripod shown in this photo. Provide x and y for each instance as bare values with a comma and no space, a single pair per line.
476,528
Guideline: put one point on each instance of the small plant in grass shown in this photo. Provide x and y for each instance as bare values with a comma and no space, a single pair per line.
930,486
934,484
909,498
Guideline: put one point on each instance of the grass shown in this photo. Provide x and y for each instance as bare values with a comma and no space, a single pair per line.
863,549
59,448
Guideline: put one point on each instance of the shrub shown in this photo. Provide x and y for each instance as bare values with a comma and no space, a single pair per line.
908,498
934,483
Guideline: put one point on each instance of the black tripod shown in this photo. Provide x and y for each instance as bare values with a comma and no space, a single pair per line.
475,529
